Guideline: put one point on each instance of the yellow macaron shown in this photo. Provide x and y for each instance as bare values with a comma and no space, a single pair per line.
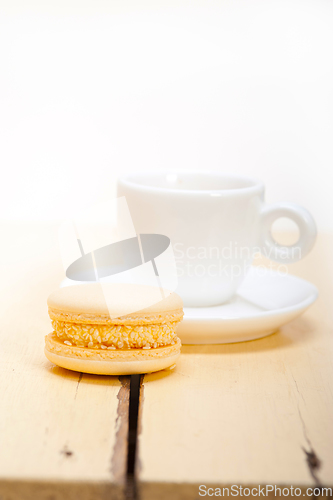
92,336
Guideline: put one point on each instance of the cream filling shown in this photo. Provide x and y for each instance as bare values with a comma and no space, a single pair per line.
99,336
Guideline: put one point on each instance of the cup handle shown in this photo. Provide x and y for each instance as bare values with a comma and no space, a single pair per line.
307,229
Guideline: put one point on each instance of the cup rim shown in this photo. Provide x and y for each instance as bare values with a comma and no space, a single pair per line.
129,180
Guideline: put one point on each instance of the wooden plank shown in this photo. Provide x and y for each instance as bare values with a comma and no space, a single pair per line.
251,413
63,435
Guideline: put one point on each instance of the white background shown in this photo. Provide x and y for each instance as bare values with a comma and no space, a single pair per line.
92,89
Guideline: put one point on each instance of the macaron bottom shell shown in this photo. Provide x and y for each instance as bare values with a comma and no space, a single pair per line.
119,362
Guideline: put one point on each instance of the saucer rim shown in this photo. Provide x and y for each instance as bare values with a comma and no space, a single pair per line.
304,304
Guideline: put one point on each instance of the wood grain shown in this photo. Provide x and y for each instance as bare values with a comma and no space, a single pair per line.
252,413
62,434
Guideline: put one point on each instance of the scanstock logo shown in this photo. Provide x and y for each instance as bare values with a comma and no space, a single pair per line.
101,246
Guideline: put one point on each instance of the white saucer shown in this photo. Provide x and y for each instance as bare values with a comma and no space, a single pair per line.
265,301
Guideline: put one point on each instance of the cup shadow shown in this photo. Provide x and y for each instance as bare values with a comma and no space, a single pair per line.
298,331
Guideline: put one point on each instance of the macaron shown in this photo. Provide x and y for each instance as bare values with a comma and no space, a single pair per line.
93,336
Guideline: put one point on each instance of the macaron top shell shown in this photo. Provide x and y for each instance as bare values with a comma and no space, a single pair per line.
84,302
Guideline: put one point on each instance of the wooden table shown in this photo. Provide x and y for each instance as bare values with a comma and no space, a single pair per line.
245,414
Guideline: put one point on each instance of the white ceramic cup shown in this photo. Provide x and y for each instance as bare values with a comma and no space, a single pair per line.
216,224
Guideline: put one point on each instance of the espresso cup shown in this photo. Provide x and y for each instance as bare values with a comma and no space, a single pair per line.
216,224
